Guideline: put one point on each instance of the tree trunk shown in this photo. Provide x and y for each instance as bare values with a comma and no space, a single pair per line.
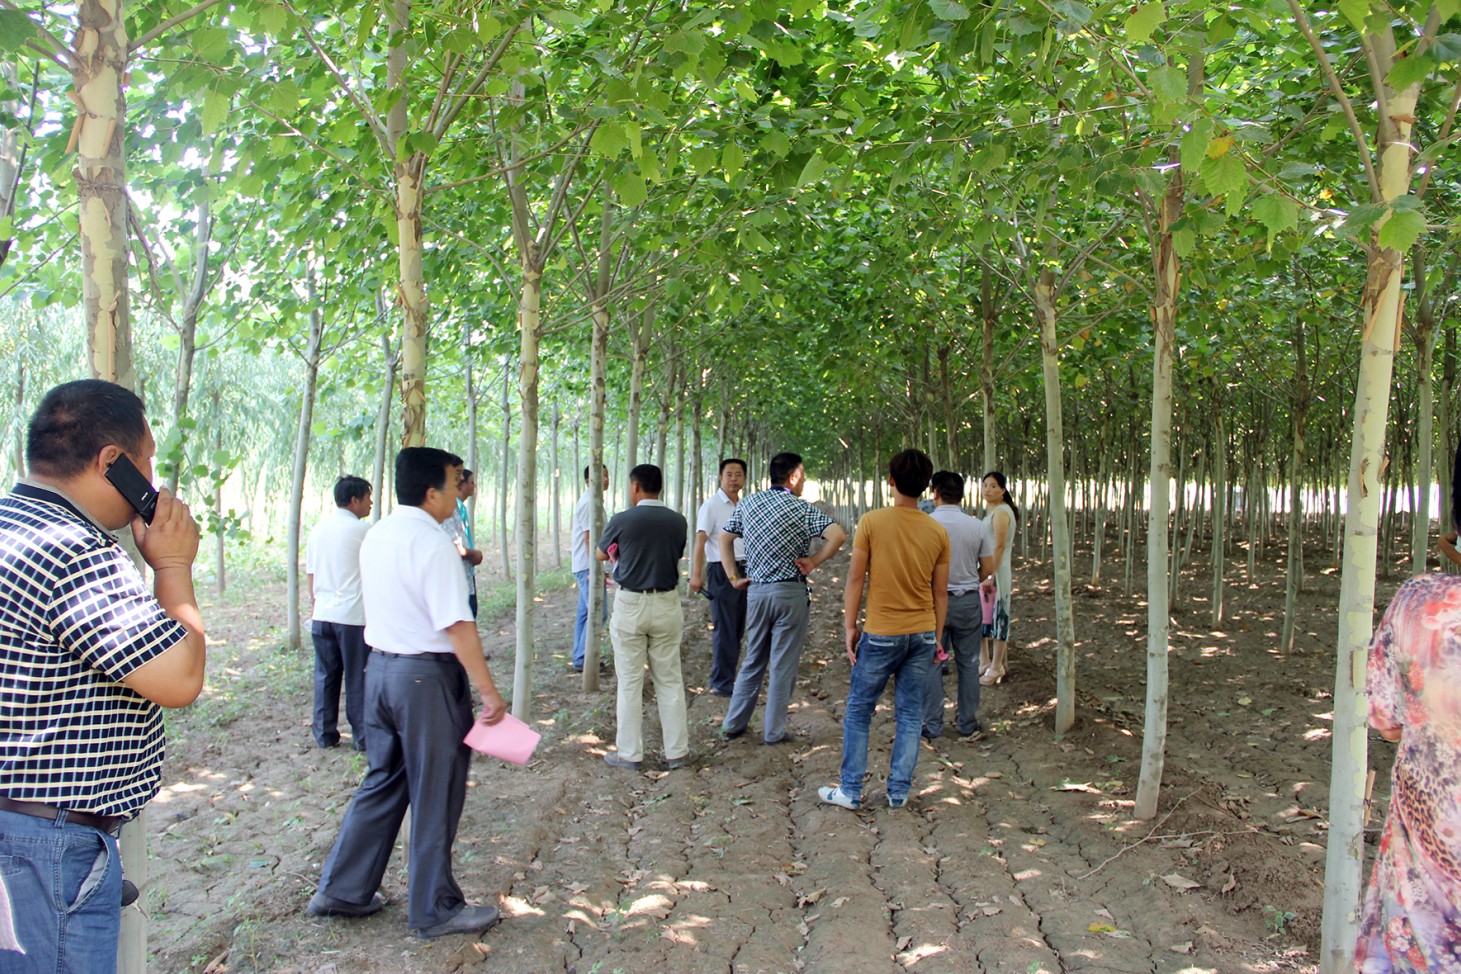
639,330
1425,350
188,331
1055,461
1164,320
391,360
100,59
408,171
1383,309
557,480
530,330
502,479
1219,501
986,363
301,462
1293,581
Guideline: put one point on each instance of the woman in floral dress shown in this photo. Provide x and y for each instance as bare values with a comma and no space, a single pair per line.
1412,913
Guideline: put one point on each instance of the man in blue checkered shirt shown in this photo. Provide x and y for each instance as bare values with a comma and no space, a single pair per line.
777,527
87,655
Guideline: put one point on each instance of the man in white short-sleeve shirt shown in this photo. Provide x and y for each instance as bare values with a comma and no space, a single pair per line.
337,624
582,514
426,656
727,603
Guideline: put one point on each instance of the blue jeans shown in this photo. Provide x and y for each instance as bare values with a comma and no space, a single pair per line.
580,621
65,889
906,660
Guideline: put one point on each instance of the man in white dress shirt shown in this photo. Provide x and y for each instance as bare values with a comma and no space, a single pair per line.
582,514
337,626
426,656
727,603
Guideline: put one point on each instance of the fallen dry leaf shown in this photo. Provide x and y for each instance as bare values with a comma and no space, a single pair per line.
837,903
1179,882
1181,948
811,898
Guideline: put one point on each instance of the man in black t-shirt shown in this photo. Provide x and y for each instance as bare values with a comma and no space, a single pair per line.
646,543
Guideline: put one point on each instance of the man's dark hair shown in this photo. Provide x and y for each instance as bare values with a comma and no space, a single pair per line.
467,475
782,466
730,460
76,419
911,470
585,473
420,468
350,488
949,486
650,478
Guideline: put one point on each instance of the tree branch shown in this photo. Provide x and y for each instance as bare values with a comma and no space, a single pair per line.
168,25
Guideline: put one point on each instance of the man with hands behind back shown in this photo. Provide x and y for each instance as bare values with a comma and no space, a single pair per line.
87,656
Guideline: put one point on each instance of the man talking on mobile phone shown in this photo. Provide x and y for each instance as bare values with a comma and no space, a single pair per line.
87,656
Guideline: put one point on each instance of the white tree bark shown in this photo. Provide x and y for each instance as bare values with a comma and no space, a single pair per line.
1055,465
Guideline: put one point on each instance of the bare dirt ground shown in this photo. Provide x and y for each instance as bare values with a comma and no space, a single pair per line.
1015,854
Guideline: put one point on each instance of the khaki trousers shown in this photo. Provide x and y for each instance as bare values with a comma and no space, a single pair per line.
645,630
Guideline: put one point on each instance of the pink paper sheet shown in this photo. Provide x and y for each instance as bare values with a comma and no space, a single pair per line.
509,739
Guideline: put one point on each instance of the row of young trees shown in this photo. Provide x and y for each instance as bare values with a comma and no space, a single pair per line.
838,226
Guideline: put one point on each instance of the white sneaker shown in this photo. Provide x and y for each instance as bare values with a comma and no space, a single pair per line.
833,795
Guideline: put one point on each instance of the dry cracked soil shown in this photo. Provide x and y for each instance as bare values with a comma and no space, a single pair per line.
1016,854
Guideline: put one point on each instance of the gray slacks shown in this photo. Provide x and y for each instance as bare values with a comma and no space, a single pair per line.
963,624
418,710
776,629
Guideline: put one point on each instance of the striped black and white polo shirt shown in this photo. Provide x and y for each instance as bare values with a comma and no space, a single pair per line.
76,618
776,525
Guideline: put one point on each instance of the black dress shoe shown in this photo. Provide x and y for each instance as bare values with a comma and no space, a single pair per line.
474,918
327,906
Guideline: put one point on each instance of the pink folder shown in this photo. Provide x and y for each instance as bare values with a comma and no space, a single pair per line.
509,739
986,602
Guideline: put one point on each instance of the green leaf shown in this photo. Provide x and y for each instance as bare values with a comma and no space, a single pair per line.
274,19
1277,213
631,188
1224,175
16,29
1409,71
209,43
609,140
215,110
1184,242
685,42
1145,19
1355,11
813,170
1194,144
1402,229
732,158
949,9
1169,92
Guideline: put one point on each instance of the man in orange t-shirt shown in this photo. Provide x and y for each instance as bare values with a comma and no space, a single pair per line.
903,555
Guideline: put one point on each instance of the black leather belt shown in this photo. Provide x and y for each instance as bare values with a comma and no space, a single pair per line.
649,591
102,823
429,657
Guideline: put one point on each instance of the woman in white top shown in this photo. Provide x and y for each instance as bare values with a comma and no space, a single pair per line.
999,520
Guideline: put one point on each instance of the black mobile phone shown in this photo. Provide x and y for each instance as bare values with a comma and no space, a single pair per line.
130,483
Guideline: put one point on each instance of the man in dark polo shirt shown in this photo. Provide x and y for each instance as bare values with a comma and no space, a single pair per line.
646,543
87,655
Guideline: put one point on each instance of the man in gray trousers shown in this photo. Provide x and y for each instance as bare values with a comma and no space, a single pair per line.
425,660
972,562
776,526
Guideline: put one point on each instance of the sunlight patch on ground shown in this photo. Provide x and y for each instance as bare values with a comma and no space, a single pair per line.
516,906
169,792
1317,734
915,954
